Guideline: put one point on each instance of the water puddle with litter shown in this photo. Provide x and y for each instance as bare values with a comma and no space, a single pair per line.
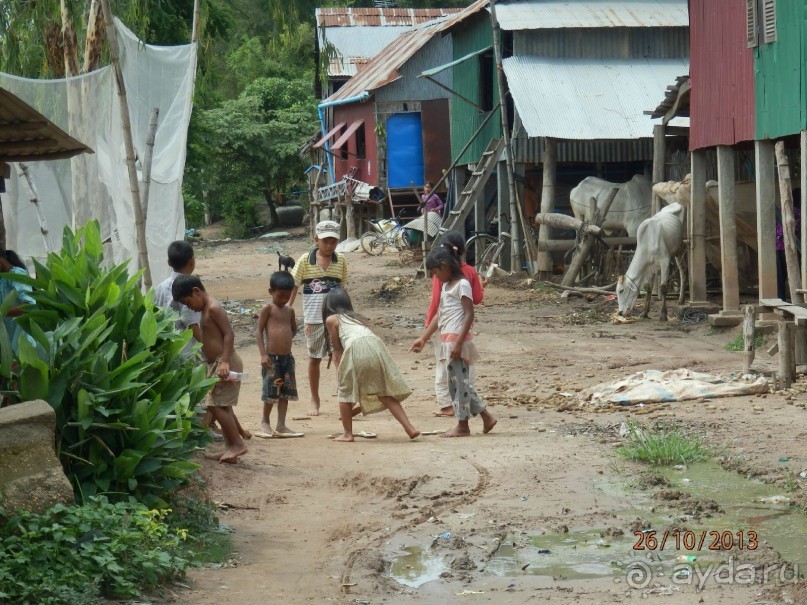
592,553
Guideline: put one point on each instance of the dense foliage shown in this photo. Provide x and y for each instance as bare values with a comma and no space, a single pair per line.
109,363
73,555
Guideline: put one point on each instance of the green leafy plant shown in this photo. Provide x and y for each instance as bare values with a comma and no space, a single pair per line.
109,363
738,344
75,554
661,446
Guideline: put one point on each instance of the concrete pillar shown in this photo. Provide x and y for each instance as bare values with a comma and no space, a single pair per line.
728,228
697,229
766,217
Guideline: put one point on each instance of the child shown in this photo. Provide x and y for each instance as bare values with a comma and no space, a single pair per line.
455,244
457,350
11,263
276,328
217,347
182,261
318,271
367,374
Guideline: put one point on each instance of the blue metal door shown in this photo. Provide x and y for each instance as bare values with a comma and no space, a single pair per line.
405,150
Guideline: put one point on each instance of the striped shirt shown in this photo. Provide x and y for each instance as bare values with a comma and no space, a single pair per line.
317,283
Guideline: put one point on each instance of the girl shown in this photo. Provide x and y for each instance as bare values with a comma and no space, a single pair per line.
11,263
367,374
455,244
457,350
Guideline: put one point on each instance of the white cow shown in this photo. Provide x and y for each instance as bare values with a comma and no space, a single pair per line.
659,239
630,207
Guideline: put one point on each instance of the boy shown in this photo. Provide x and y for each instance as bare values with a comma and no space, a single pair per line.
182,261
217,348
318,271
276,328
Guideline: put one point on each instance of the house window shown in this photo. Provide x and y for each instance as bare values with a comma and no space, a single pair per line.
486,80
760,22
343,148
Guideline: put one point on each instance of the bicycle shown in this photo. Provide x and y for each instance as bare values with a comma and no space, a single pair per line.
386,232
484,249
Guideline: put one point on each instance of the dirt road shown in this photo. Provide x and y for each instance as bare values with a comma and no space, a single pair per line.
539,510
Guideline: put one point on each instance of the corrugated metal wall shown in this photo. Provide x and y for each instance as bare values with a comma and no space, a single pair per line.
465,118
409,87
781,77
530,151
722,70
621,43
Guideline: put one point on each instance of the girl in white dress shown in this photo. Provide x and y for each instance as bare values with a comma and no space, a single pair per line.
367,373
457,350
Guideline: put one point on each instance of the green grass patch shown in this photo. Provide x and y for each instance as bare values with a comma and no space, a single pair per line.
738,344
662,446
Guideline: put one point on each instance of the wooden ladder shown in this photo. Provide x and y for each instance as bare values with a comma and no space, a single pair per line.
475,187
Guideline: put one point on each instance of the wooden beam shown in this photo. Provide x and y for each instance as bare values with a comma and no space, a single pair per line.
728,228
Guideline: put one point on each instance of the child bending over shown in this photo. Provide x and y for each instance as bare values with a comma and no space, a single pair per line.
217,347
276,328
367,374
457,349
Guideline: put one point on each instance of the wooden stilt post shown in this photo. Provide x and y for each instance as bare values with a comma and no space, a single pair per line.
749,336
766,219
550,165
728,228
697,232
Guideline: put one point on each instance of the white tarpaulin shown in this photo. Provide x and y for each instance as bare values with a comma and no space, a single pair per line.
71,192
655,386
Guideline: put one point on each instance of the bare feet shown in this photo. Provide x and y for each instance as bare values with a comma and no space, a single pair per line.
245,434
266,427
213,455
445,412
488,423
231,454
414,434
346,438
457,432
314,409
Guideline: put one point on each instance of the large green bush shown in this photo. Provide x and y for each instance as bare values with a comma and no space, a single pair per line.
108,362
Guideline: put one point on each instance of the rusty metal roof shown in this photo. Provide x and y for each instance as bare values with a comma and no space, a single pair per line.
350,16
554,14
383,68
676,101
26,135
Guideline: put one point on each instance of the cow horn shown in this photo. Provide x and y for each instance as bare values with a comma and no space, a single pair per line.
620,280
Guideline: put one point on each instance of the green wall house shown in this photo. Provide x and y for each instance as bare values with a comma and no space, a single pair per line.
780,69
475,79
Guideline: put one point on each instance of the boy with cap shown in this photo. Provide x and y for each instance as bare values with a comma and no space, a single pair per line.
318,272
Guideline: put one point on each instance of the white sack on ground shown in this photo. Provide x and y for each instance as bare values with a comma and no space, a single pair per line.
655,386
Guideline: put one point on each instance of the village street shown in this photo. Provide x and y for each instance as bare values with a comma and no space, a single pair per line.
539,510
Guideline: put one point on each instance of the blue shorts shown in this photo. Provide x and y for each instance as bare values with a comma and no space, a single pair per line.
280,381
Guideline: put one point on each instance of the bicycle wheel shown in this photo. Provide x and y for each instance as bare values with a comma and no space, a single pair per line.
373,243
476,245
489,257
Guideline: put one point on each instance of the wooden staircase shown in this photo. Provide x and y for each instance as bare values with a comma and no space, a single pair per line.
475,187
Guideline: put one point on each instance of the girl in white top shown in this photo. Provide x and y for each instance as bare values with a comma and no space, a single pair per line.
457,350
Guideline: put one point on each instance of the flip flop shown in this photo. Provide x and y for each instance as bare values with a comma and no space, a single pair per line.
443,415
427,433
277,435
262,435
365,434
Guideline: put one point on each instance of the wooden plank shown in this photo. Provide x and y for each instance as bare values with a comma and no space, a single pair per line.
772,302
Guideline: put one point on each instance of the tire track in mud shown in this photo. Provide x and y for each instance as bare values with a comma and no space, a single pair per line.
446,503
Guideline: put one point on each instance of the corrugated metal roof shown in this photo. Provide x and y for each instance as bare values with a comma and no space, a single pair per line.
588,99
383,68
554,14
349,16
26,135
356,45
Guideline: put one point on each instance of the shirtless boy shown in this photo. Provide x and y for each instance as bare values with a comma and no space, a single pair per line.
276,328
217,347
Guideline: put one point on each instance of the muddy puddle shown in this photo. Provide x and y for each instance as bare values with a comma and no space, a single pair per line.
702,510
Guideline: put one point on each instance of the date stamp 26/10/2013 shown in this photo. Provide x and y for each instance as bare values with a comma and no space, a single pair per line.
696,540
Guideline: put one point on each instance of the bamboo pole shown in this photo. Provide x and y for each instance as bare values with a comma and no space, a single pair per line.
24,175
515,239
147,160
140,224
